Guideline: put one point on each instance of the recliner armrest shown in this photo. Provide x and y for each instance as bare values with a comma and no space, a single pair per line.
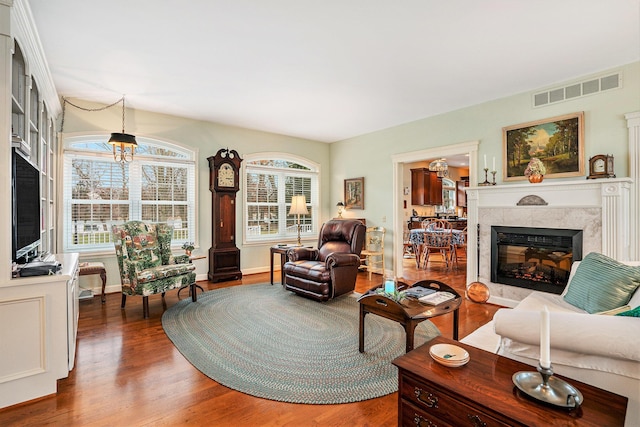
338,259
301,253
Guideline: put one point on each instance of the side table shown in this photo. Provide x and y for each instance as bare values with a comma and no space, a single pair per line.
410,312
282,251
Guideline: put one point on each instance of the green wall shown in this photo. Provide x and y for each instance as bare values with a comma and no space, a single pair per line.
605,132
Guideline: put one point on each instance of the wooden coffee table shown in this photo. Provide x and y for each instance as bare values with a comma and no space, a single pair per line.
482,393
409,312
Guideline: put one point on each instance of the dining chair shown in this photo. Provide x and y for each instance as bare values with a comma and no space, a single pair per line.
437,237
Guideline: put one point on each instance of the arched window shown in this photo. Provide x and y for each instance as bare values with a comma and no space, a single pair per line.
271,179
157,186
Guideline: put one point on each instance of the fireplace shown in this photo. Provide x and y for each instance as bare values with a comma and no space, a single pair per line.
534,258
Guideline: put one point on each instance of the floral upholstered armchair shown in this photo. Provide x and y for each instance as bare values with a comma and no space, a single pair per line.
146,264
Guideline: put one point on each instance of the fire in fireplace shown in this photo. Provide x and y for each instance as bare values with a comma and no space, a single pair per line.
534,258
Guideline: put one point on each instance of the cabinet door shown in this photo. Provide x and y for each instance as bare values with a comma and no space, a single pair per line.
417,187
435,189
426,187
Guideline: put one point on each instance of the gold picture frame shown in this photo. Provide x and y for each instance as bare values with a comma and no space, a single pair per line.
557,141
354,193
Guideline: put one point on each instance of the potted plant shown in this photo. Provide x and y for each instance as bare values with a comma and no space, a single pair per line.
188,247
535,170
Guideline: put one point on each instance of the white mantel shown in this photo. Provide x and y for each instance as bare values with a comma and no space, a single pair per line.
600,208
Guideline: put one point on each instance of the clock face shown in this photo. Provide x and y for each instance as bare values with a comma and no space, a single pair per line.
598,166
226,176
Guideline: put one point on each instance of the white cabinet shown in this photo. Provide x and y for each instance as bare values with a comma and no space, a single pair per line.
38,330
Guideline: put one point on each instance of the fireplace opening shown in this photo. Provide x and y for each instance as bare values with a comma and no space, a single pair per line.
534,258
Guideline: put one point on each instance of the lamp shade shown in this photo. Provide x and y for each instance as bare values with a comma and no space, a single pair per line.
118,138
298,205
340,205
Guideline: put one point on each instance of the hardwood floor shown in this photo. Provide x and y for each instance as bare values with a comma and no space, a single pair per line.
128,373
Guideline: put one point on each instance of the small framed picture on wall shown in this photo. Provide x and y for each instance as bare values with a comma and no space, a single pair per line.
354,193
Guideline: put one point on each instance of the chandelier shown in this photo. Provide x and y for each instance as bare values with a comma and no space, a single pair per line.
440,167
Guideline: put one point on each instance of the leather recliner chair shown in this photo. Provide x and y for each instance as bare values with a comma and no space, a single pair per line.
330,270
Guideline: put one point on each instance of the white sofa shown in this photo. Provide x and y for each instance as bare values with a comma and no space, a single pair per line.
601,350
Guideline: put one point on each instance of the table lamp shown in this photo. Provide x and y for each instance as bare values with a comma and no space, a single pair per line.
298,207
340,206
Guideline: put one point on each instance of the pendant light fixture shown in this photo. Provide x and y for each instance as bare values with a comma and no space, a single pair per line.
439,166
126,142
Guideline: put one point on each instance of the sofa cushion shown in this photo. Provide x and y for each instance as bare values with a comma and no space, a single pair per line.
631,313
601,283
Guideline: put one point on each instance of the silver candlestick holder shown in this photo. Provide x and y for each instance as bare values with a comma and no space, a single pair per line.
486,178
543,386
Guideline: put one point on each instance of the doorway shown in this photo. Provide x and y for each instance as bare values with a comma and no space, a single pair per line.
399,162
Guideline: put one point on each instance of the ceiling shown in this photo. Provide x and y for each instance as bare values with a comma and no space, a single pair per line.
326,70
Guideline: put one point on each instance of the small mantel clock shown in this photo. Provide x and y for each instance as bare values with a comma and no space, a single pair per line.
224,177
601,166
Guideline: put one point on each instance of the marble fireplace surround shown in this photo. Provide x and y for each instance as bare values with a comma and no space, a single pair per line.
600,208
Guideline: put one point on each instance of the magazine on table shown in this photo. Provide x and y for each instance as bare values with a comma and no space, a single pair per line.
419,291
436,298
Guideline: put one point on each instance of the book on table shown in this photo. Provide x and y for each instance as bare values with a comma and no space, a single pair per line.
436,298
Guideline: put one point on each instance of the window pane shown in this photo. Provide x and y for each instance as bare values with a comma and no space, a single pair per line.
164,183
262,188
99,180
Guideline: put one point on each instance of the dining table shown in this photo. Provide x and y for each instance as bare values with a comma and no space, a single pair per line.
416,238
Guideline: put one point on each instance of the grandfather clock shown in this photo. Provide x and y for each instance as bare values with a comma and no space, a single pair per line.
224,177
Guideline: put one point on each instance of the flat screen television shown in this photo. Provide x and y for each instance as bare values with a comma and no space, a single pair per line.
25,189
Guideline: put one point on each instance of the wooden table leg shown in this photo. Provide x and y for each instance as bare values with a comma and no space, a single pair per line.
283,259
409,329
103,276
272,251
456,316
361,336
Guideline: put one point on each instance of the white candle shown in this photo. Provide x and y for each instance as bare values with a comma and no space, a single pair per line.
485,161
545,351
494,164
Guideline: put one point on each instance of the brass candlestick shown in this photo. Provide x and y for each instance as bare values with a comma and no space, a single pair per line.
486,176
494,177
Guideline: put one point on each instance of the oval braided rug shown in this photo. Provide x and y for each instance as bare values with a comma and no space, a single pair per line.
268,342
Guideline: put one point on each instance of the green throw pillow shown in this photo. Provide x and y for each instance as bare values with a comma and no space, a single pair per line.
631,313
601,283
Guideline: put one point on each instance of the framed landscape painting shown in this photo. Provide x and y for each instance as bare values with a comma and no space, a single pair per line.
558,142
354,193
